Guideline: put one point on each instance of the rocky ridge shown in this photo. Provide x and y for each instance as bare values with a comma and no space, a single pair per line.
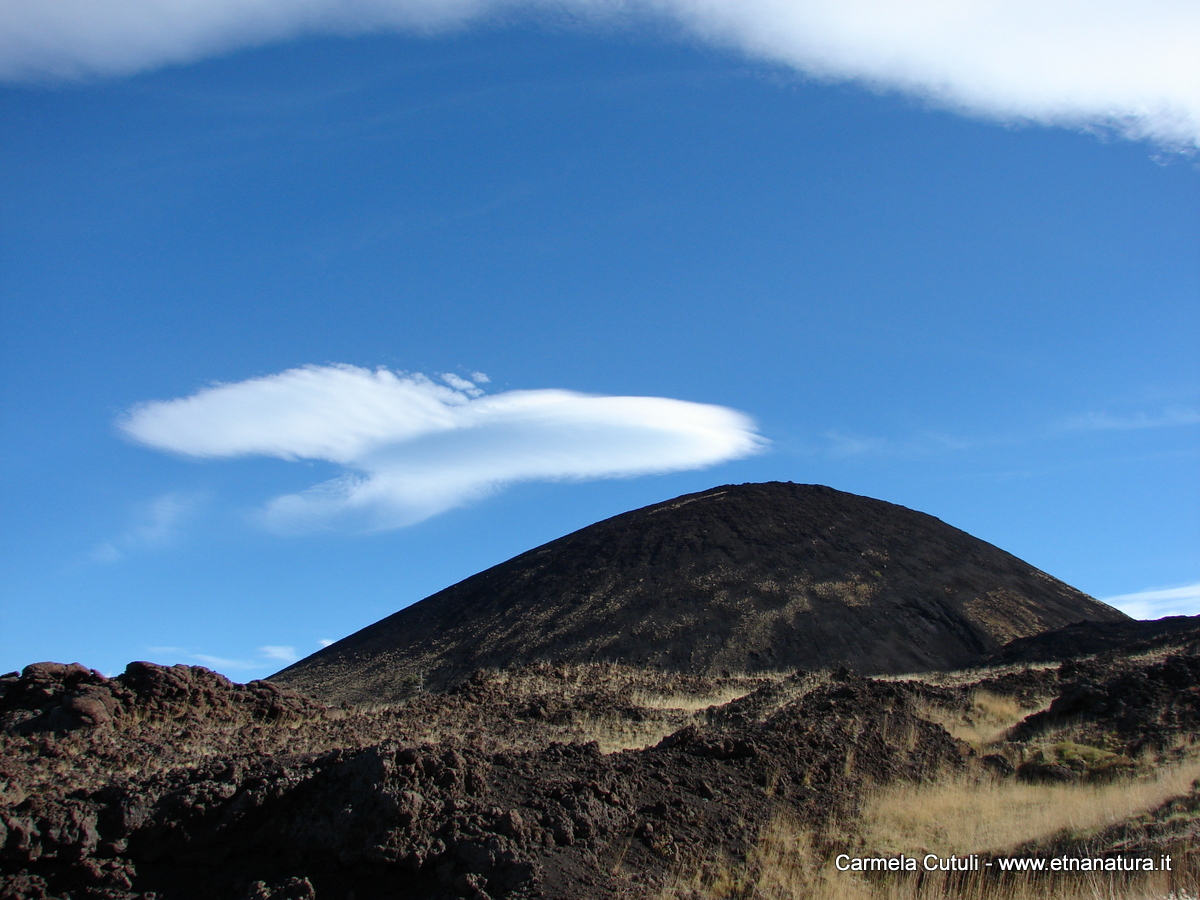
194,787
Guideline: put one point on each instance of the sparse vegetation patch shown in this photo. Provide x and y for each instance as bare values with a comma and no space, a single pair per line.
590,781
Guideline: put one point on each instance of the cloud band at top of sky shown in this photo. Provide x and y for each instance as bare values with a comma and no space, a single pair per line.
1132,67
413,447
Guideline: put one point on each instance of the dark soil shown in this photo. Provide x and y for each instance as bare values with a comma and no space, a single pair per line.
1151,706
1091,638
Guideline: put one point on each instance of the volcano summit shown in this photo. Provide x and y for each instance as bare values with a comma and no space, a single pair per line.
652,727
749,578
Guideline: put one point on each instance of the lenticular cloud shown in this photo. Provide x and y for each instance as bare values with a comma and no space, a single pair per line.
413,447
1132,67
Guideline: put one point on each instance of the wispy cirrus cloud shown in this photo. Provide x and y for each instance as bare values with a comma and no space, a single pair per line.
1159,602
844,443
1111,63
412,447
279,653
926,443
1172,417
157,524
266,659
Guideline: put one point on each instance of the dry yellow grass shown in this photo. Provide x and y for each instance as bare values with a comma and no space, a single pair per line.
959,817
669,690
668,701
985,721
966,676
783,865
614,733
690,702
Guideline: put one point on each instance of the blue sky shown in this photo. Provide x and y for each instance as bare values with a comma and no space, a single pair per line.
305,320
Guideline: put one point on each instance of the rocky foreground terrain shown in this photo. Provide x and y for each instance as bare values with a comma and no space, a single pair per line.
580,781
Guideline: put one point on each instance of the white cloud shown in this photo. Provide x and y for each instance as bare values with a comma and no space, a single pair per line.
1154,604
1130,66
223,665
925,443
413,448
266,660
461,384
326,642
1167,418
158,524
106,553
278,653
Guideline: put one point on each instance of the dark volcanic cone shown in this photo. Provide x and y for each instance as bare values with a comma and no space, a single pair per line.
752,577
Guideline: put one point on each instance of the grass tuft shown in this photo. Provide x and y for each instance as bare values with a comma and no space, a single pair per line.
961,816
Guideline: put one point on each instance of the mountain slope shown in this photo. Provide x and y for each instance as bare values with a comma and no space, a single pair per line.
752,577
